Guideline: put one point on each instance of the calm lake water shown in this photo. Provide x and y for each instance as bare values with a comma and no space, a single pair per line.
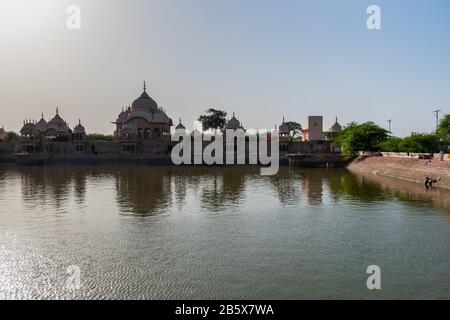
140,232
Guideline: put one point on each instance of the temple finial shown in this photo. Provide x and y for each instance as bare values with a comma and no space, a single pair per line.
180,120
283,119
79,121
145,86
57,111
336,119
42,115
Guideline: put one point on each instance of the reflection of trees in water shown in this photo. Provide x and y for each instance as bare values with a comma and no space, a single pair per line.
356,187
295,184
147,190
411,193
223,188
287,185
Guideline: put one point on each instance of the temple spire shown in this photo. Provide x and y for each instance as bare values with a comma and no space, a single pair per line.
145,86
57,111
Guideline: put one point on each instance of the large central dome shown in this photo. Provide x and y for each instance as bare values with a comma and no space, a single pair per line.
144,102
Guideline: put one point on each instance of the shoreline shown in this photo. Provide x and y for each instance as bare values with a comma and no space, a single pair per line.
405,169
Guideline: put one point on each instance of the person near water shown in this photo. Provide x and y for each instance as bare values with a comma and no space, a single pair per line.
432,180
427,183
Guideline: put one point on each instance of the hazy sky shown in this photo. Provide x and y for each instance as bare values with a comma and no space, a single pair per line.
262,59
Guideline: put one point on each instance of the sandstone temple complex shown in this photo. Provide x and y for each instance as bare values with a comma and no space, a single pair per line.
142,133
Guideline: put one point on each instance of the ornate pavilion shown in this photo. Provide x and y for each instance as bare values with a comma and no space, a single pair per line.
143,120
38,134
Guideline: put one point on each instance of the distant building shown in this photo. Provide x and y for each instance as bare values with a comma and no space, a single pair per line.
2,134
314,132
283,131
143,132
334,130
181,128
234,124
36,136
144,120
54,129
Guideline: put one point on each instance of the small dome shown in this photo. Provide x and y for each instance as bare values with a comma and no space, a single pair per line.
28,128
144,102
57,120
336,127
283,129
58,123
79,128
122,116
42,125
180,126
233,123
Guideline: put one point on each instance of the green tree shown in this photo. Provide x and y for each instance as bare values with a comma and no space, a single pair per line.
420,143
99,137
295,129
393,144
360,137
213,119
11,136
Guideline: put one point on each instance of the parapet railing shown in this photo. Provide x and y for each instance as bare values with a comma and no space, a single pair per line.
409,155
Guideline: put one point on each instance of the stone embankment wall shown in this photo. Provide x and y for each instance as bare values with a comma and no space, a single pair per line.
410,169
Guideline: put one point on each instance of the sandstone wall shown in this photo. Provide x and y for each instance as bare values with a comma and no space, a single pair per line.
408,169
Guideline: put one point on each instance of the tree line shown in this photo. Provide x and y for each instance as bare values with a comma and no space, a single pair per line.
370,137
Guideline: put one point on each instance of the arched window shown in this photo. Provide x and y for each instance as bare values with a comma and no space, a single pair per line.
156,133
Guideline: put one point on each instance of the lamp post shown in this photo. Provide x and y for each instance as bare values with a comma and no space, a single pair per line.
437,118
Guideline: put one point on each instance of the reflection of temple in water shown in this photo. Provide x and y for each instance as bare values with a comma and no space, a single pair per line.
312,186
49,185
143,190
